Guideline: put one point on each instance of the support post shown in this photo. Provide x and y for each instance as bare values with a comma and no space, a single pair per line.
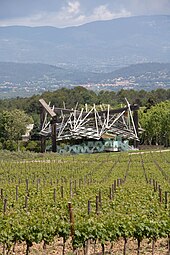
135,118
53,134
43,139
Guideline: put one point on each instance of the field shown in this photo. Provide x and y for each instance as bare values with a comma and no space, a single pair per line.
115,203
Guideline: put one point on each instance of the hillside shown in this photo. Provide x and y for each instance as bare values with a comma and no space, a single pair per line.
18,79
22,72
97,46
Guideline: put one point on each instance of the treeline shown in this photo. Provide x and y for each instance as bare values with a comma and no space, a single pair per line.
70,97
154,114
156,124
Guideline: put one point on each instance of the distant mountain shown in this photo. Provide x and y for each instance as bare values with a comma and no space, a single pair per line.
19,79
150,70
27,72
20,72
147,76
98,46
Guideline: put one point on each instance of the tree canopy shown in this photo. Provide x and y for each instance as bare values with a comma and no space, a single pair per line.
70,97
13,125
156,122
154,115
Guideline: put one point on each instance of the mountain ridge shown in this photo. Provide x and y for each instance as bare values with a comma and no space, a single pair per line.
97,46
21,79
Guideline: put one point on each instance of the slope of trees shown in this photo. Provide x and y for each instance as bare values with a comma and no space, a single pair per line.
81,95
12,126
154,116
156,122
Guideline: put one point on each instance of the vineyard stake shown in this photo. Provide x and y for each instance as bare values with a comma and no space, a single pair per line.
103,248
166,199
62,191
38,182
27,186
125,244
89,206
115,185
168,244
138,249
5,205
79,183
97,204
54,195
2,194
113,189
153,246
16,192
160,194
26,202
4,249
110,193
71,193
75,186
64,244
154,184
72,230
100,198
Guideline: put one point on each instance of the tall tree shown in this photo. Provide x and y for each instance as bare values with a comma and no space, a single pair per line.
13,124
156,122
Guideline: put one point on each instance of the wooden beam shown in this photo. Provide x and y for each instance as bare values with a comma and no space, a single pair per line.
47,108
92,114
64,110
112,111
136,122
43,139
53,137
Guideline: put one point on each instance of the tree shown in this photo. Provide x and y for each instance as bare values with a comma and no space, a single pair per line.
156,121
107,97
13,125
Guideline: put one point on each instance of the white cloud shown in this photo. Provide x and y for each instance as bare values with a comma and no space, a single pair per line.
103,13
23,21
69,15
63,13
73,7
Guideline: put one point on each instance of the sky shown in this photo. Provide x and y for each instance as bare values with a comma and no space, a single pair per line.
64,13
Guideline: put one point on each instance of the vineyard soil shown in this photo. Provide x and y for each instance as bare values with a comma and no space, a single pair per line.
117,249
108,203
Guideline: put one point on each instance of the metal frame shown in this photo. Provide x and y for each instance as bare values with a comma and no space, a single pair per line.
87,123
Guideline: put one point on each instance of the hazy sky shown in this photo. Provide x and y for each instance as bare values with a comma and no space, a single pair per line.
62,13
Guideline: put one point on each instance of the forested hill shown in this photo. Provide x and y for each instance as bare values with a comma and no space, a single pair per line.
20,72
152,70
19,79
155,108
80,95
99,45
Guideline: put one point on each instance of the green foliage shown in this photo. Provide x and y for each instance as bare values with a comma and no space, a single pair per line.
154,118
10,145
156,121
83,96
12,126
134,211
33,146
